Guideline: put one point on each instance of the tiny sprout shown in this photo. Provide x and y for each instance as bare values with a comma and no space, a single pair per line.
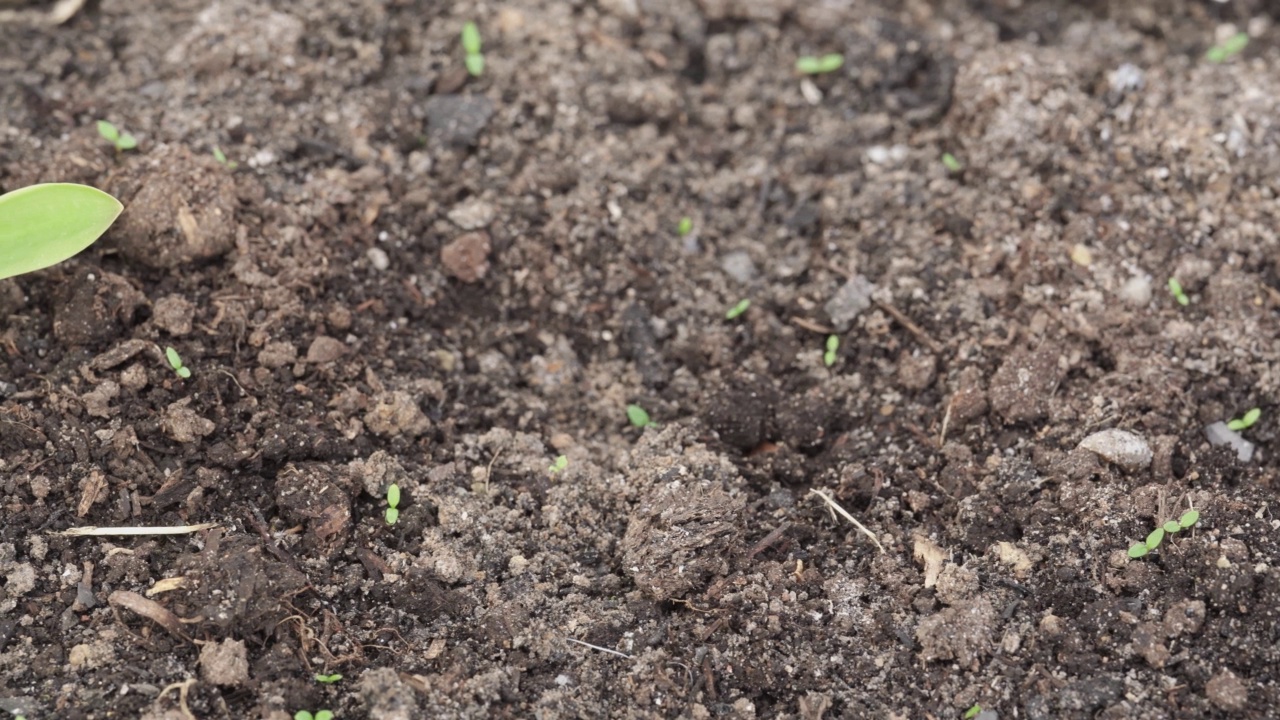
1246,422
1155,538
1189,518
685,226
736,311
1138,550
327,679
175,362
972,712
393,502
320,715
1233,45
833,344
638,417
112,134
1175,287
810,65
471,46
221,157
1171,526
561,463
953,165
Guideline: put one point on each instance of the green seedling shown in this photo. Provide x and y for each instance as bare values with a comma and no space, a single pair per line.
122,140
1169,527
319,715
811,65
1233,45
638,417
972,712
560,464
1175,287
685,226
328,679
471,46
175,362
221,157
833,344
1246,422
393,504
736,311
952,165
43,225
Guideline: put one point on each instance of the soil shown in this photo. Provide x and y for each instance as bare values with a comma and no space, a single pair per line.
416,277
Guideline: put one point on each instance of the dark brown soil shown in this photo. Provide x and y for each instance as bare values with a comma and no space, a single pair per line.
443,282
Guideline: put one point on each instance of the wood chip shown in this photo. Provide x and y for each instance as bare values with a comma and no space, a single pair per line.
150,609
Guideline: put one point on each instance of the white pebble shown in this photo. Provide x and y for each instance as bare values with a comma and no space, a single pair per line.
1120,447
378,258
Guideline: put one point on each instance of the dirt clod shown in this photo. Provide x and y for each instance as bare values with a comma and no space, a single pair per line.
466,258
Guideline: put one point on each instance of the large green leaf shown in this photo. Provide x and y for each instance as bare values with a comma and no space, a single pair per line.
43,225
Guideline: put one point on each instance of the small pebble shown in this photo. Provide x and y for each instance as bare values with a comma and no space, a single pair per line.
1219,434
378,259
1121,447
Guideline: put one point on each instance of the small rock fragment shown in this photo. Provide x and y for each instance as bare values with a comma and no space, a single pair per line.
849,301
1021,388
457,119
1120,447
277,355
474,214
1219,434
739,266
172,314
467,257
397,413
1227,691
182,423
225,663
325,349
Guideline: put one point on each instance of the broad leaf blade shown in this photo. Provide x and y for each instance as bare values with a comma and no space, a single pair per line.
43,225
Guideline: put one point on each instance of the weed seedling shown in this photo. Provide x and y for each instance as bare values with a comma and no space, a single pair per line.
42,225
560,464
1175,287
471,46
685,226
393,504
1246,422
328,679
1233,45
638,417
175,362
972,712
833,344
1189,518
122,140
319,715
221,157
953,165
811,65
736,311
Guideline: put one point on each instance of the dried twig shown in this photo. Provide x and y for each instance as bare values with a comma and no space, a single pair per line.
597,647
835,508
162,530
913,328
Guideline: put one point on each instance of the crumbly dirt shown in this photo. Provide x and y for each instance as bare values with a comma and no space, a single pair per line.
421,278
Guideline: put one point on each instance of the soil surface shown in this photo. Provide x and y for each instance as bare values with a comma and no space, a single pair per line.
406,275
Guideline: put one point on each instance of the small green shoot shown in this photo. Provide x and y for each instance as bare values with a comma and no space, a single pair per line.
953,165
1175,287
1246,422
685,226
175,362
1169,527
972,712
637,416
811,65
320,715
42,225
471,46
560,464
1233,45
393,504
221,157
328,679
833,344
736,311
112,134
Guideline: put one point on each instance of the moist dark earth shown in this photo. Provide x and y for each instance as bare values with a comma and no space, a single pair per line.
417,277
